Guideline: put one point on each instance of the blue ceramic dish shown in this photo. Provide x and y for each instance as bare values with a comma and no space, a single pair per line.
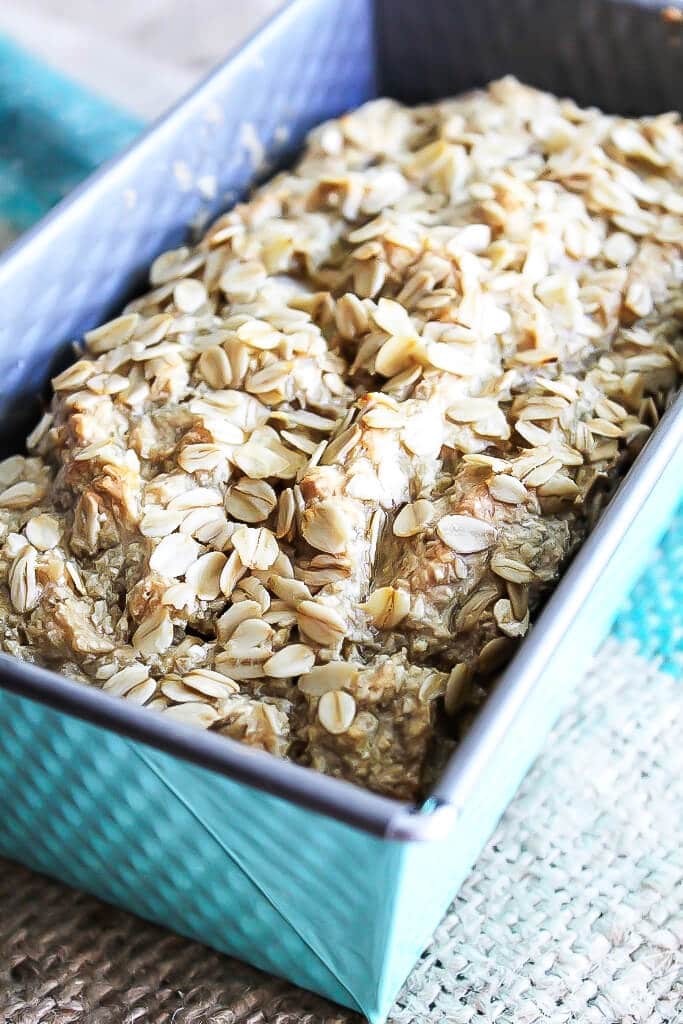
305,876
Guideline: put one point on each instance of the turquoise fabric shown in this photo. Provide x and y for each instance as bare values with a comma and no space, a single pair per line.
652,614
53,134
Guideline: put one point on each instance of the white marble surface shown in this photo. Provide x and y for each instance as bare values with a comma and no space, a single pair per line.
142,54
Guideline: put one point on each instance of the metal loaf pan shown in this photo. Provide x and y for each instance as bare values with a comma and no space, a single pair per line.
302,875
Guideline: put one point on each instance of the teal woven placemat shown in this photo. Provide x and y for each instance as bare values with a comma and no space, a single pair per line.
53,134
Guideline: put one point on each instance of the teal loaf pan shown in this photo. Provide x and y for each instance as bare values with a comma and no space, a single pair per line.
302,875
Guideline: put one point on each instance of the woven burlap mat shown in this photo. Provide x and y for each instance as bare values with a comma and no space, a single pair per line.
571,914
